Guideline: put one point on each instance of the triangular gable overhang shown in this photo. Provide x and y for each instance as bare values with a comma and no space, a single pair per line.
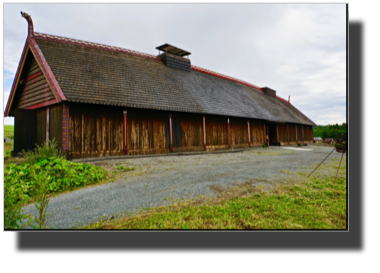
31,45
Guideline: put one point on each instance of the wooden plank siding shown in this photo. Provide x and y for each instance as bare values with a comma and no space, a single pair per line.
292,134
40,125
35,89
257,132
299,134
216,132
55,129
98,131
24,130
187,132
148,131
283,133
239,133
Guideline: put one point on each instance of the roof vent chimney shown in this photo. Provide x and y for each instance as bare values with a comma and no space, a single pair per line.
174,57
270,92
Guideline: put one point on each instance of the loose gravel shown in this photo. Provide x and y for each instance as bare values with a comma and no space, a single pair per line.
185,176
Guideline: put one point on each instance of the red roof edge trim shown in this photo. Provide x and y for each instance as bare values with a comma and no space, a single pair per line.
46,70
65,40
13,90
209,72
282,99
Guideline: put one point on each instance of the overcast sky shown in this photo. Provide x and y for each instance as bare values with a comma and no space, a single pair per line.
295,49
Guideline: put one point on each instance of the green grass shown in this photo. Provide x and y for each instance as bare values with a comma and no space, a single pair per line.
8,132
298,203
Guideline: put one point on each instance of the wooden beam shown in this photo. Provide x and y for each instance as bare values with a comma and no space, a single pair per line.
125,131
171,132
296,134
265,135
303,140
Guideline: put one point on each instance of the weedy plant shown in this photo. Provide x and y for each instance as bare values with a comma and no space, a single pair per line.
44,171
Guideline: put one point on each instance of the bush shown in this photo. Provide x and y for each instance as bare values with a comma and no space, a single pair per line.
43,151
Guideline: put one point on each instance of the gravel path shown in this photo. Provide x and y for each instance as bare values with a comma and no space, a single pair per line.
185,176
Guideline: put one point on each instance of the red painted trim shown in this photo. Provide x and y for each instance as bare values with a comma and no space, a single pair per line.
302,135
284,100
65,40
204,133
42,104
171,132
222,76
33,76
47,123
15,81
50,78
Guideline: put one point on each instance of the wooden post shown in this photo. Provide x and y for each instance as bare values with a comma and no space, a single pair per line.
296,134
277,136
125,131
171,132
47,123
204,133
229,134
287,128
249,134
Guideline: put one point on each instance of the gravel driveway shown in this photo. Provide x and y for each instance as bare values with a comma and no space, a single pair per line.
185,177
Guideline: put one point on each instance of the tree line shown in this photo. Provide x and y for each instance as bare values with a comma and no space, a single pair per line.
330,131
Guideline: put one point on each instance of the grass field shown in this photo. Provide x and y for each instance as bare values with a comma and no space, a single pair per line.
8,132
298,203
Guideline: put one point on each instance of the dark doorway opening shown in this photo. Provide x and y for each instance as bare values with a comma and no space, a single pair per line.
272,134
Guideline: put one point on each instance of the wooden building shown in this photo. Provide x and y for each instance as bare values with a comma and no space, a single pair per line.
99,100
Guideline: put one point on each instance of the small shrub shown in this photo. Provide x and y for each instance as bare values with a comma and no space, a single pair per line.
44,151
264,146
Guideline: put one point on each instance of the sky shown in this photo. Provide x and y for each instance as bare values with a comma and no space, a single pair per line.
299,50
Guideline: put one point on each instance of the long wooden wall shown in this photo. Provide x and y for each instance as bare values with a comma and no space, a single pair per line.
257,132
98,131
187,132
216,132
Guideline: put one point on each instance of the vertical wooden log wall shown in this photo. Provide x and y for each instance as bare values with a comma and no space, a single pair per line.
249,134
65,127
125,132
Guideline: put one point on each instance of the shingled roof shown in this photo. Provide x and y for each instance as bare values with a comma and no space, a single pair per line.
104,75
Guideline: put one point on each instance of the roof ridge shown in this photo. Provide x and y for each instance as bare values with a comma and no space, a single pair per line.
62,39
94,45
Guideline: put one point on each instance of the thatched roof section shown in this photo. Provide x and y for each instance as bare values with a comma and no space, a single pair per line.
93,75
